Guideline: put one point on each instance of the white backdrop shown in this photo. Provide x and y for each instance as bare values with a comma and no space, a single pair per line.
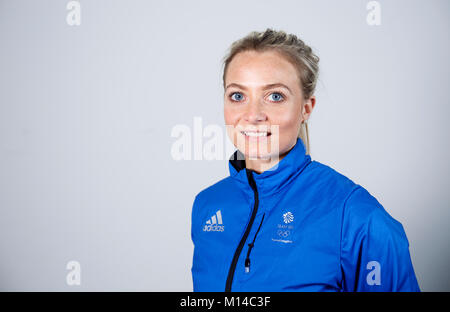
87,111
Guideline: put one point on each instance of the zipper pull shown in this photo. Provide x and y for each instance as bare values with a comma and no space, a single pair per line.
247,265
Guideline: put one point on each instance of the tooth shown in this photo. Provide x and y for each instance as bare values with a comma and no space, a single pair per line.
255,134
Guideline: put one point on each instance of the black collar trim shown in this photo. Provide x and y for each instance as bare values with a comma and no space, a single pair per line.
238,160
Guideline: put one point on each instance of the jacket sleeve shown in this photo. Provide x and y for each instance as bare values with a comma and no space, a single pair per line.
374,248
194,230
196,215
193,218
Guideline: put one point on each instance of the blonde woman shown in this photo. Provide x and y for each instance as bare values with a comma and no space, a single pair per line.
282,221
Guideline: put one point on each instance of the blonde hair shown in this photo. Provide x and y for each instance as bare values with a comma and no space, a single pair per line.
296,52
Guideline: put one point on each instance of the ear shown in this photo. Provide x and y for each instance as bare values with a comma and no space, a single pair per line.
308,107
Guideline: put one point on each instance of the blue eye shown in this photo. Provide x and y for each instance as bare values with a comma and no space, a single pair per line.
239,97
278,97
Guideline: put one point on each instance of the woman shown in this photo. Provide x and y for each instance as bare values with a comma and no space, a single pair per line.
281,221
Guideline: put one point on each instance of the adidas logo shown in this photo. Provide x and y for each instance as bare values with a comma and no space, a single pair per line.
214,224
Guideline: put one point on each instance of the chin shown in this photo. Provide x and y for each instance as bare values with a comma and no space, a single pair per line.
255,153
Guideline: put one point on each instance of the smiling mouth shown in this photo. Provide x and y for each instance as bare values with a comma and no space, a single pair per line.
256,134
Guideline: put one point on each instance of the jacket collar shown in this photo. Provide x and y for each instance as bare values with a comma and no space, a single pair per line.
273,180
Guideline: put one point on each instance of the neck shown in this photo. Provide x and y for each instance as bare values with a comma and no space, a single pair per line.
260,165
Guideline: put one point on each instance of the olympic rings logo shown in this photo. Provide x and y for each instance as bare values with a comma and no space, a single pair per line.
283,233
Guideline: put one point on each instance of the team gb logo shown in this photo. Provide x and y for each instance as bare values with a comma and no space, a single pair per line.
288,217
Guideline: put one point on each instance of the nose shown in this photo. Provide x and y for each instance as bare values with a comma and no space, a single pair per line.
254,113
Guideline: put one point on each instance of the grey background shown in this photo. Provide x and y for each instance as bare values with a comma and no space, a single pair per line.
86,114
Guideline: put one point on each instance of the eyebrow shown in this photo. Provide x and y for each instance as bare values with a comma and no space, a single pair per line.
268,86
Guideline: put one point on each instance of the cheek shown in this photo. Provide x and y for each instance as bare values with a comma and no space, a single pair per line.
230,115
288,119
291,123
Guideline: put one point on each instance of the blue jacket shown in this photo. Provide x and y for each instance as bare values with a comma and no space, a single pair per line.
300,227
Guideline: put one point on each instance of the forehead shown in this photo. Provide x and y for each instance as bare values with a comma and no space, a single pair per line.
258,68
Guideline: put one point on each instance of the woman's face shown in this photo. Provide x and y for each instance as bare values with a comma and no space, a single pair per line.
263,93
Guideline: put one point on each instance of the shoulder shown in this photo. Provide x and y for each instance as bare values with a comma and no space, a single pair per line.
326,180
365,217
362,213
215,191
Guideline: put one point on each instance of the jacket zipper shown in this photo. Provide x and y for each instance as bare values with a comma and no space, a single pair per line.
250,247
246,233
